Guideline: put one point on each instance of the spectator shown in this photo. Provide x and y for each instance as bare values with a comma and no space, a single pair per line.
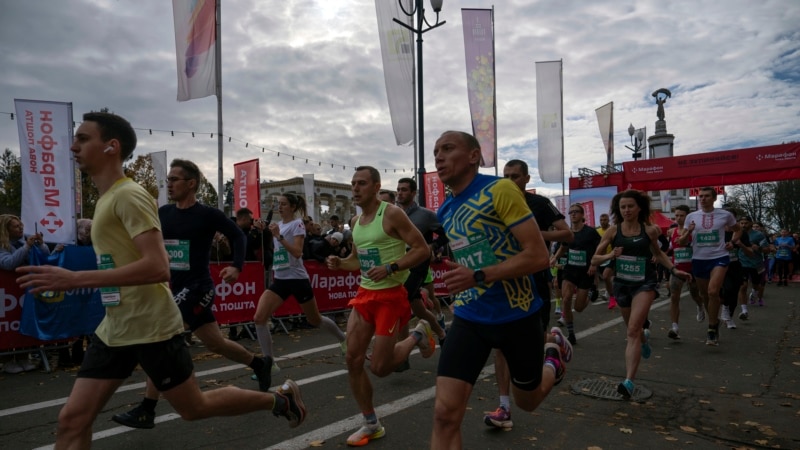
14,246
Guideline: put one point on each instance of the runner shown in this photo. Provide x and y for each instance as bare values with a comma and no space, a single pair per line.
753,266
635,246
290,276
380,308
710,258
682,259
579,271
497,246
142,324
188,228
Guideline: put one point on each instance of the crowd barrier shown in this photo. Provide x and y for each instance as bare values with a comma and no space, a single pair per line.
233,303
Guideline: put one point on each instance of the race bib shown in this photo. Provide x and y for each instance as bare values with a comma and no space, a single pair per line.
631,268
683,255
280,259
368,258
178,252
707,238
108,295
577,258
473,252
782,253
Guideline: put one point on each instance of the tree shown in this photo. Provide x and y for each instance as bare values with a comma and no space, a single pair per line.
786,208
10,183
755,200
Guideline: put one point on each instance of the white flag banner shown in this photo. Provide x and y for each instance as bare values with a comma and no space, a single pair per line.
48,173
397,50
666,203
308,187
550,122
159,162
195,40
605,120
478,28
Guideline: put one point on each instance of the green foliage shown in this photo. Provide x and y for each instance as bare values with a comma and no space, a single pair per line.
10,183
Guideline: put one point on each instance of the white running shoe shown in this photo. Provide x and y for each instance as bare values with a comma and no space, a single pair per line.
701,314
724,314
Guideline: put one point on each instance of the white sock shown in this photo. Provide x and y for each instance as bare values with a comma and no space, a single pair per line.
330,326
505,402
264,339
675,326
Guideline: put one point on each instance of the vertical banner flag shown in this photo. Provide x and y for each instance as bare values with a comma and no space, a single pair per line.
550,123
246,187
159,162
666,201
562,204
195,38
434,191
308,187
605,120
48,174
479,52
398,67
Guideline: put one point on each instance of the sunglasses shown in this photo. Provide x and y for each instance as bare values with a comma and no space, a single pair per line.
576,211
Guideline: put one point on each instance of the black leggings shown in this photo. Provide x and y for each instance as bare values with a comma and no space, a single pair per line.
783,269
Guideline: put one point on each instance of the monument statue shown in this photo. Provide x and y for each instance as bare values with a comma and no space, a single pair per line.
660,99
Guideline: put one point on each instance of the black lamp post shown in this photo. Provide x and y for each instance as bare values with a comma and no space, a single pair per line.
637,140
422,22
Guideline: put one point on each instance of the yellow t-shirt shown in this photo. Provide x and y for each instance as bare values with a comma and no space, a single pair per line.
146,313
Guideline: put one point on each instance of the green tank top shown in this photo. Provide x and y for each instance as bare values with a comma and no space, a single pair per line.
376,248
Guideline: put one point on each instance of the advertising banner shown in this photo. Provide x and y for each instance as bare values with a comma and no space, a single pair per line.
159,162
195,38
246,189
48,175
397,50
434,191
549,122
605,120
479,53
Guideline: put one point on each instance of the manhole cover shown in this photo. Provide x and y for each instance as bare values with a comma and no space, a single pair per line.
607,389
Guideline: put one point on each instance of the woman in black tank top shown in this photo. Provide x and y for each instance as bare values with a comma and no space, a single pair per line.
635,244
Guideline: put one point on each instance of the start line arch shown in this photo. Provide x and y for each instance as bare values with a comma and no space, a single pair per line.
728,167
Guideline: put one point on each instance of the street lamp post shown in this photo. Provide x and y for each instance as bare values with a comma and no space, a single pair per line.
637,140
436,5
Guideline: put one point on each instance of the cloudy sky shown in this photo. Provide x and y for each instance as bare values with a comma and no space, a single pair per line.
304,77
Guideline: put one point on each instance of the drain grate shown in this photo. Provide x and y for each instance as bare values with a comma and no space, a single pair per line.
603,388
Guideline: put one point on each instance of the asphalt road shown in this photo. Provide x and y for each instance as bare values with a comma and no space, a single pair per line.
743,394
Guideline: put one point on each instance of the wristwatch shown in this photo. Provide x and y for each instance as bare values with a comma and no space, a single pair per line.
280,237
479,276
394,267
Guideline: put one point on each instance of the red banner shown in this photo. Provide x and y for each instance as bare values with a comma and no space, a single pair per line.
246,189
434,191
11,300
588,213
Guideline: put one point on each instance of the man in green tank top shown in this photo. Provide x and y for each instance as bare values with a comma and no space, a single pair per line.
380,308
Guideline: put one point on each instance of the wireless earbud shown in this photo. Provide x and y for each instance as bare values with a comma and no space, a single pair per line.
108,149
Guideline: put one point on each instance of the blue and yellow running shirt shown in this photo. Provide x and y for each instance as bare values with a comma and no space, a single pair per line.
478,223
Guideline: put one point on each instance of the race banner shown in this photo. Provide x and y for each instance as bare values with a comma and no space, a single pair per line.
562,204
159,162
195,40
478,25
434,191
605,120
48,174
308,187
549,122
246,187
397,52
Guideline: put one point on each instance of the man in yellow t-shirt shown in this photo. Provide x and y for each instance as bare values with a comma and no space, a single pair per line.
142,325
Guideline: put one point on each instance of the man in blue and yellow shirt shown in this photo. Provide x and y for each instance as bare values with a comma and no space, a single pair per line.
497,247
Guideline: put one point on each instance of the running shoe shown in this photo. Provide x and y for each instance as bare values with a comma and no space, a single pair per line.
612,302
343,347
712,338
646,349
730,324
743,315
594,294
563,344
295,411
500,418
368,432
753,297
273,370
701,313
572,339
136,418
761,300
427,344
264,375
552,357
673,334
561,321
558,307
724,314
440,321
626,389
